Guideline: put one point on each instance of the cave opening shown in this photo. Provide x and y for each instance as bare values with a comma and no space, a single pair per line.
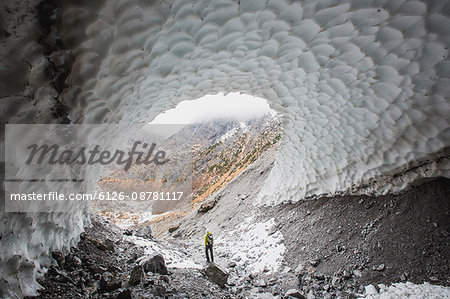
223,133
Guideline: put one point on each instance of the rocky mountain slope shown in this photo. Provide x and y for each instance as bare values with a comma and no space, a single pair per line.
220,151
227,153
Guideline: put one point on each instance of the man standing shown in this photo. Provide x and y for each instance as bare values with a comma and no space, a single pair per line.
209,247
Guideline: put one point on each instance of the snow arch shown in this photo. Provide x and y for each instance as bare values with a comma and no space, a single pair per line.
363,85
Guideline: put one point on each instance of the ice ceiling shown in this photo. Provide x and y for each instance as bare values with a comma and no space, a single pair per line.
363,87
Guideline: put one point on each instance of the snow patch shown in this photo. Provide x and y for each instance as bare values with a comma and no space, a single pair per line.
406,290
256,246
174,258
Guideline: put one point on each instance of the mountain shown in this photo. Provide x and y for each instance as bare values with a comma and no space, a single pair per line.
204,157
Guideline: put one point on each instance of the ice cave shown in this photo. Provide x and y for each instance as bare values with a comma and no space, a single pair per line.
362,89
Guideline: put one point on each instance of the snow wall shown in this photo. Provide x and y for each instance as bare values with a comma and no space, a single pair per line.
363,87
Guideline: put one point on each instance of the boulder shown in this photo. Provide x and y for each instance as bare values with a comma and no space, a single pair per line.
144,232
380,267
293,293
159,290
108,283
216,274
109,244
370,290
155,264
300,269
315,262
174,228
136,276
125,294
206,206
357,273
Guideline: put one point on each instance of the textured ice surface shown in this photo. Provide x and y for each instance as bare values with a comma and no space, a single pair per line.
363,87
26,96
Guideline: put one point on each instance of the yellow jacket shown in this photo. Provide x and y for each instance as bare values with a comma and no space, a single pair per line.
208,239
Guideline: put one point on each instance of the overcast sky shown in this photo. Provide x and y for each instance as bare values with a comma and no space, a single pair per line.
234,105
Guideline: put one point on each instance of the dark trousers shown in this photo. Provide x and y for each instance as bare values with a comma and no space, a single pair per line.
208,258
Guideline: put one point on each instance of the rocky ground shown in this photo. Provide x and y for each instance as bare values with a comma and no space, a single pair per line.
333,246
108,264
345,243
323,248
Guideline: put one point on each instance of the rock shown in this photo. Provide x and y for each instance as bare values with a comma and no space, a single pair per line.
125,294
72,262
293,293
136,276
346,274
109,245
340,248
115,269
237,258
380,267
261,283
231,264
128,232
174,228
403,277
319,276
98,269
288,281
159,290
299,269
242,196
315,262
60,276
273,230
370,290
59,257
108,283
206,206
335,280
264,295
144,232
216,274
165,278
155,264
357,273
